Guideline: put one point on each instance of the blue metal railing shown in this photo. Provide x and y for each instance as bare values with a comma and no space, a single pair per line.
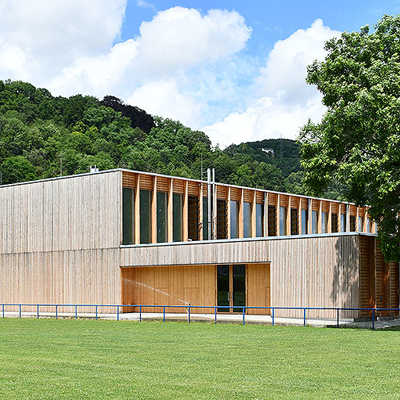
188,309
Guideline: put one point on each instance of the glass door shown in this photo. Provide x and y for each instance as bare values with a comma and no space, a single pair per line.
231,288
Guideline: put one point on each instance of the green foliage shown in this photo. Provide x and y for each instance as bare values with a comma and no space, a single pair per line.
64,136
357,143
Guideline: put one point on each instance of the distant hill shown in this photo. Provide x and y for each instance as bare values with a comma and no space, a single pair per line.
282,153
43,136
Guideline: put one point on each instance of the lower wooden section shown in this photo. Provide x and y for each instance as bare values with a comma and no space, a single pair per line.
179,286
184,285
258,288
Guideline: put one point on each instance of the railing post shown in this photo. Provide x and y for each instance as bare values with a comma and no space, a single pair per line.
273,316
97,311
2,308
244,316
189,315
163,315
140,313
20,311
117,313
37,311
337,317
304,316
76,311
215,314
373,318
56,311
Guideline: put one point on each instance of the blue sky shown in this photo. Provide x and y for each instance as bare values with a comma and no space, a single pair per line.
272,20
234,69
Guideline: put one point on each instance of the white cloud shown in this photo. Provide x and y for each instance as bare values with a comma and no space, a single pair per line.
282,100
183,64
145,4
51,34
164,97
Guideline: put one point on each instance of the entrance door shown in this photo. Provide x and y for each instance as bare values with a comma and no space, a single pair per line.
231,288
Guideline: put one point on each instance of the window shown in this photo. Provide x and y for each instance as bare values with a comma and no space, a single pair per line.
272,221
222,219
145,216
352,223
259,220
282,221
205,218
324,222
177,217
193,218
294,222
246,219
234,219
360,224
127,216
334,223
304,222
368,223
342,222
162,217
314,221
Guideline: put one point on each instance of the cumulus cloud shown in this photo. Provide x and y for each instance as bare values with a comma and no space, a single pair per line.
170,45
46,35
165,97
183,64
282,101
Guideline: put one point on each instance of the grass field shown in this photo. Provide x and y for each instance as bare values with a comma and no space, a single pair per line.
68,359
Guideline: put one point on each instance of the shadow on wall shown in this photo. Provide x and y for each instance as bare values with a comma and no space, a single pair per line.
345,283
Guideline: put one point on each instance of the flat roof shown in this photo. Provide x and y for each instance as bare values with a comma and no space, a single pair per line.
256,239
173,177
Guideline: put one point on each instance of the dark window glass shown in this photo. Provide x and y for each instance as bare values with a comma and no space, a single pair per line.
334,222
304,222
177,217
239,287
127,216
246,219
223,288
259,220
161,217
205,218
352,223
234,219
145,216
222,219
294,222
272,221
193,218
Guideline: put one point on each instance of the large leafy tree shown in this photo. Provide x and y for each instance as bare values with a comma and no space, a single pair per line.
357,143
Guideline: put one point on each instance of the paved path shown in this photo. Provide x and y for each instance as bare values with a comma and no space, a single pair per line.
225,318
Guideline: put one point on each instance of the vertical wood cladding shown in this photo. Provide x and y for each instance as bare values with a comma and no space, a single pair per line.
82,212
173,286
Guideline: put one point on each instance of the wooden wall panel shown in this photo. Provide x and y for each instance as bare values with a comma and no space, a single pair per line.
258,287
222,192
62,277
172,286
235,194
81,212
319,272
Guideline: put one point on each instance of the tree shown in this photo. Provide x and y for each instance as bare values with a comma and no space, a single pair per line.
16,169
357,143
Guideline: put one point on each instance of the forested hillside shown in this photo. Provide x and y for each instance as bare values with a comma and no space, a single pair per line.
43,136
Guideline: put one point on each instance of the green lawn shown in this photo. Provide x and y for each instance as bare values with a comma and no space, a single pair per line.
68,359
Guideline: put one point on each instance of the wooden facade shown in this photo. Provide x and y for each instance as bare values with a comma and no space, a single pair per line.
61,242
